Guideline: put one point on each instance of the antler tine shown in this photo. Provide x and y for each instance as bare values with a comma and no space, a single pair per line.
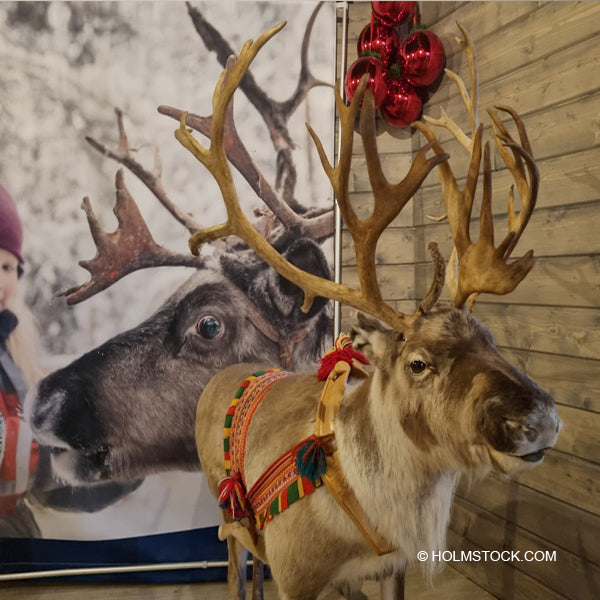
481,267
307,80
214,158
339,175
437,283
459,206
151,180
389,199
129,248
275,114
469,100
517,158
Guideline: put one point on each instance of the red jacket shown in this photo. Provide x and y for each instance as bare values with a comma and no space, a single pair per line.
18,452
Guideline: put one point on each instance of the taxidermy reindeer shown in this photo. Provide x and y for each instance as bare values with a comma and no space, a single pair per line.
386,450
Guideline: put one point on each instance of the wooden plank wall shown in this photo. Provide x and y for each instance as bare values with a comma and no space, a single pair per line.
543,58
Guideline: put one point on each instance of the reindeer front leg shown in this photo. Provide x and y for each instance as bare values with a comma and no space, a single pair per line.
258,579
236,569
239,540
392,588
352,592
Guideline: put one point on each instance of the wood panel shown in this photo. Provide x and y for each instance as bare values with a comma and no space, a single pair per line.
571,381
477,18
549,327
562,129
500,578
564,180
568,231
560,570
533,50
557,78
555,281
533,37
573,332
565,525
579,436
567,478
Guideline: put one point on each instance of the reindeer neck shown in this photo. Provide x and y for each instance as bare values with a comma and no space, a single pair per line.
407,499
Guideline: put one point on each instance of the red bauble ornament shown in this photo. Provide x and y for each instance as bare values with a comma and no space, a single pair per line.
394,13
377,80
402,105
422,57
379,38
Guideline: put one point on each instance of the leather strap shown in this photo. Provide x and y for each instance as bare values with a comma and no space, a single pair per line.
334,478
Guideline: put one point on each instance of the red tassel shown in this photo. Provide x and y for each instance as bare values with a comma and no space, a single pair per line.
341,351
232,496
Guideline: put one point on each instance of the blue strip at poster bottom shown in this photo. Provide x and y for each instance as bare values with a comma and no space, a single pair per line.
19,555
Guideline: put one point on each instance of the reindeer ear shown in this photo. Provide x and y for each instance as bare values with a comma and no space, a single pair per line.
375,340
308,256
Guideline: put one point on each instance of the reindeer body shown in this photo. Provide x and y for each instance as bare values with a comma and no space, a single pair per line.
440,401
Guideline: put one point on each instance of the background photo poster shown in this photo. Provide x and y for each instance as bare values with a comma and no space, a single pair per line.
64,69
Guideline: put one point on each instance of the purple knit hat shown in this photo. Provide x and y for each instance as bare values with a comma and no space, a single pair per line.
11,228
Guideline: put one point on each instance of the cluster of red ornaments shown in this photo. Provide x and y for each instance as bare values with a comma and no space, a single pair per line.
398,70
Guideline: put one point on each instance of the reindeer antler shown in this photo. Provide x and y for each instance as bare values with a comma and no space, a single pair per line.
469,100
151,179
130,248
482,267
274,113
389,199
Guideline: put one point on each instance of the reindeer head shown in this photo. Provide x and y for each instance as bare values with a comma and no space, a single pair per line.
458,402
126,408
437,371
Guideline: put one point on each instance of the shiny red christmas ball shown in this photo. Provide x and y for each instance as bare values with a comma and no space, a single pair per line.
377,80
422,57
379,38
394,13
402,105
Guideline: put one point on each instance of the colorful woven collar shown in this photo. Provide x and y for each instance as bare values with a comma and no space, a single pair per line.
281,484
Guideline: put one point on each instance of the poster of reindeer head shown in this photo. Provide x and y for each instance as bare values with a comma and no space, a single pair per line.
91,95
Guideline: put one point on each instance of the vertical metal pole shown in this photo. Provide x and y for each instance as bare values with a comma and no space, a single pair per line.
337,249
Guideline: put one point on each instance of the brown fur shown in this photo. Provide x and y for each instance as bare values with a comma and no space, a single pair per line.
416,427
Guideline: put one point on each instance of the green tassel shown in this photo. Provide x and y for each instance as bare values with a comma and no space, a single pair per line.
311,460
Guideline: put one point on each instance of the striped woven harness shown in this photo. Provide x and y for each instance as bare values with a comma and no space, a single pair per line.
281,484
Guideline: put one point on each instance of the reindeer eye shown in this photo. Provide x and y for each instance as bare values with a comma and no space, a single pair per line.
209,328
417,366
